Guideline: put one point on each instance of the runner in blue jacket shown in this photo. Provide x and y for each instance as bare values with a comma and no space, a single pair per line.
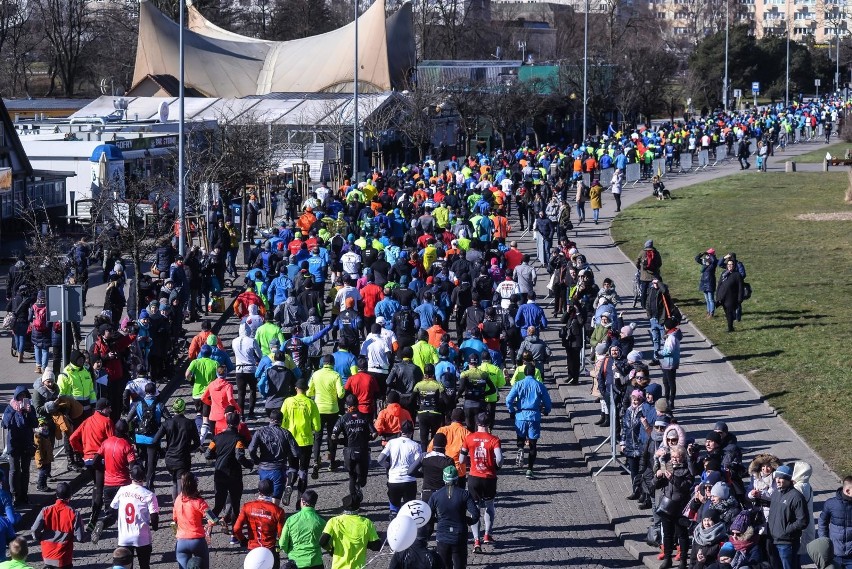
526,401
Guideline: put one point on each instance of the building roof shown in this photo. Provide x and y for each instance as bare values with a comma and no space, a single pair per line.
290,109
220,63
23,165
45,104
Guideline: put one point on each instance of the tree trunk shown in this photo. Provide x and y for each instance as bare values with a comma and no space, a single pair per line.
137,273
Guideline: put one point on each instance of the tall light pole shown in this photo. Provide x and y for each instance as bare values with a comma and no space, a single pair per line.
787,79
355,103
725,80
585,70
181,125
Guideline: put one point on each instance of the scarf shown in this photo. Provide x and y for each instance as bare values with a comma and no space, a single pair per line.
709,536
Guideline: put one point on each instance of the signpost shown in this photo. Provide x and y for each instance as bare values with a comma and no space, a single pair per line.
64,304
817,83
755,89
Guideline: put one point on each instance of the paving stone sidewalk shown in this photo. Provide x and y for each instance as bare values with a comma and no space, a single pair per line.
709,389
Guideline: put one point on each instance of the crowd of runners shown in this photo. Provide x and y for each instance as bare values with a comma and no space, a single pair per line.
385,328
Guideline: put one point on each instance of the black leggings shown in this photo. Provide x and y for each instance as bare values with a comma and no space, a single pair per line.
730,315
533,451
454,556
245,380
228,490
298,472
327,421
674,532
429,425
148,453
357,464
670,386
143,553
176,474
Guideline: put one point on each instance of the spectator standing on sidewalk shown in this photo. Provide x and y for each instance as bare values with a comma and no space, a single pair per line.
788,517
648,264
20,421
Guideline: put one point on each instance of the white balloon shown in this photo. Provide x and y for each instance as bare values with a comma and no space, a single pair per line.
402,532
417,510
259,558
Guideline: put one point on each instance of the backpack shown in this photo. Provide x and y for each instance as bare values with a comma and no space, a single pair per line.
40,318
147,418
586,192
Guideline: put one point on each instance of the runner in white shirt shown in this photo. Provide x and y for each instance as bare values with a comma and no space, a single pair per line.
348,291
377,352
138,515
506,289
506,186
351,262
402,456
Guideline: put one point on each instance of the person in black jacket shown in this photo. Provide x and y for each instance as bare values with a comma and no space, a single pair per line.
571,335
181,436
674,482
788,516
453,512
20,307
19,420
730,292
227,450
280,382
164,256
272,449
417,556
358,430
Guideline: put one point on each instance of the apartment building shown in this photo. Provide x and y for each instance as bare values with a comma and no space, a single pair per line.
693,19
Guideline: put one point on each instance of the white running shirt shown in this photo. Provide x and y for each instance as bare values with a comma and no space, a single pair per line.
135,504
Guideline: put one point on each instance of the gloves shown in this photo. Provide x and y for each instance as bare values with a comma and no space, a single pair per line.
50,406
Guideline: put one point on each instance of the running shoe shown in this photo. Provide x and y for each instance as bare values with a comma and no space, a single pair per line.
477,547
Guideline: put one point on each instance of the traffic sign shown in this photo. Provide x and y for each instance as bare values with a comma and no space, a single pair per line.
65,303
817,83
755,87
738,93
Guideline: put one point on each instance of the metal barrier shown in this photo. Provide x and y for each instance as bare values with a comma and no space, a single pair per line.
606,177
632,173
658,167
685,162
703,159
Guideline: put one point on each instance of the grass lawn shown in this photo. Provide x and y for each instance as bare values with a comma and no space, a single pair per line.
837,150
793,342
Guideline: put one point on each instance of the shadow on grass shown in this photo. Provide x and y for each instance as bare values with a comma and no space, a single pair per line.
775,395
790,326
743,357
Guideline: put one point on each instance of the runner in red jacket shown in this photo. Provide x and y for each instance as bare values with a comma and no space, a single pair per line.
56,528
263,520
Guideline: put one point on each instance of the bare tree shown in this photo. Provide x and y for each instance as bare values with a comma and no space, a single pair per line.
415,121
46,250
67,26
15,43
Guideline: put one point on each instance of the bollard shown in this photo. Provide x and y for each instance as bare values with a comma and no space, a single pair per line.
789,166
825,165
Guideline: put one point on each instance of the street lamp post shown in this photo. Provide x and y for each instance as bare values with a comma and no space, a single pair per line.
585,70
725,80
181,133
355,103
787,80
